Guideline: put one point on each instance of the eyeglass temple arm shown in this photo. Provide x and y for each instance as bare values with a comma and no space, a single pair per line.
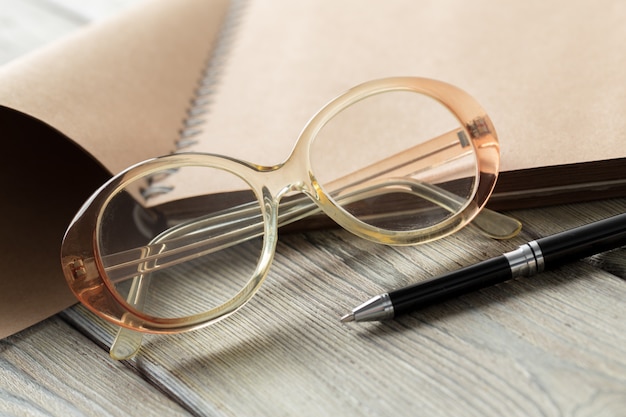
488,222
128,342
229,227
353,186
425,157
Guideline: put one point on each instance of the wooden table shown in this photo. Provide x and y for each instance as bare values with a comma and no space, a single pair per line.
552,345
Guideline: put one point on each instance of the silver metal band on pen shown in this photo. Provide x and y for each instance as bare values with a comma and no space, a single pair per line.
527,260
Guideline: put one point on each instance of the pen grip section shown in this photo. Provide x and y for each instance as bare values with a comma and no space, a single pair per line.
452,284
583,241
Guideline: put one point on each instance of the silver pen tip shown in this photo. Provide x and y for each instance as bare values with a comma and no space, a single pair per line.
347,318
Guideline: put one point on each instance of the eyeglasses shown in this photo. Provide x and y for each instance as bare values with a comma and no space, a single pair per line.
367,160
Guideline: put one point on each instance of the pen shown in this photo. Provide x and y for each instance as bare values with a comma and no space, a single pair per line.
527,260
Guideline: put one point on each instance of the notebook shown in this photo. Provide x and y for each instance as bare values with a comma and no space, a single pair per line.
120,91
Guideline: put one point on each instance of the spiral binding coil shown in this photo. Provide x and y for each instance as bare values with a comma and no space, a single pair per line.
202,98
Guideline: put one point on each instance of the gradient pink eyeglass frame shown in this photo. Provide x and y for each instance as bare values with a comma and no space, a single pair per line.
87,275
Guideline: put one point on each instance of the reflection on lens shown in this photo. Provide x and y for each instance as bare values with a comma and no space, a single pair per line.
185,257
396,160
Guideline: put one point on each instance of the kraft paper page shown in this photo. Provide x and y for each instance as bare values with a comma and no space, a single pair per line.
119,89
550,75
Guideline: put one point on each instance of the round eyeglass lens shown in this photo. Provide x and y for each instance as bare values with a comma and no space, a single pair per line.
176,256
397,160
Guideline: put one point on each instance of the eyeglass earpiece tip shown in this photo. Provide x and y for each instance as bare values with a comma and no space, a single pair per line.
126,344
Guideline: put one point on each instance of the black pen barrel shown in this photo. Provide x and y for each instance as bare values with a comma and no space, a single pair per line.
583,241
452,284
527,260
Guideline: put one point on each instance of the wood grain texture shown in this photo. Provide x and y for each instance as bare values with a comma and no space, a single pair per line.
28,24
547,346
553,345
52,370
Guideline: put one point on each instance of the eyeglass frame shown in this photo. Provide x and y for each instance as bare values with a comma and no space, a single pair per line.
81,258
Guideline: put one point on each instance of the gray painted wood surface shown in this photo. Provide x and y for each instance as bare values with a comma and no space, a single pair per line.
554,345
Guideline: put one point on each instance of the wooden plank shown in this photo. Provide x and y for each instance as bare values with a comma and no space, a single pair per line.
28,24
50,369
19,34
551,345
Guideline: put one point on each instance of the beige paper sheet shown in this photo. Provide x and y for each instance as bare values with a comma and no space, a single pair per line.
120,89
550,74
